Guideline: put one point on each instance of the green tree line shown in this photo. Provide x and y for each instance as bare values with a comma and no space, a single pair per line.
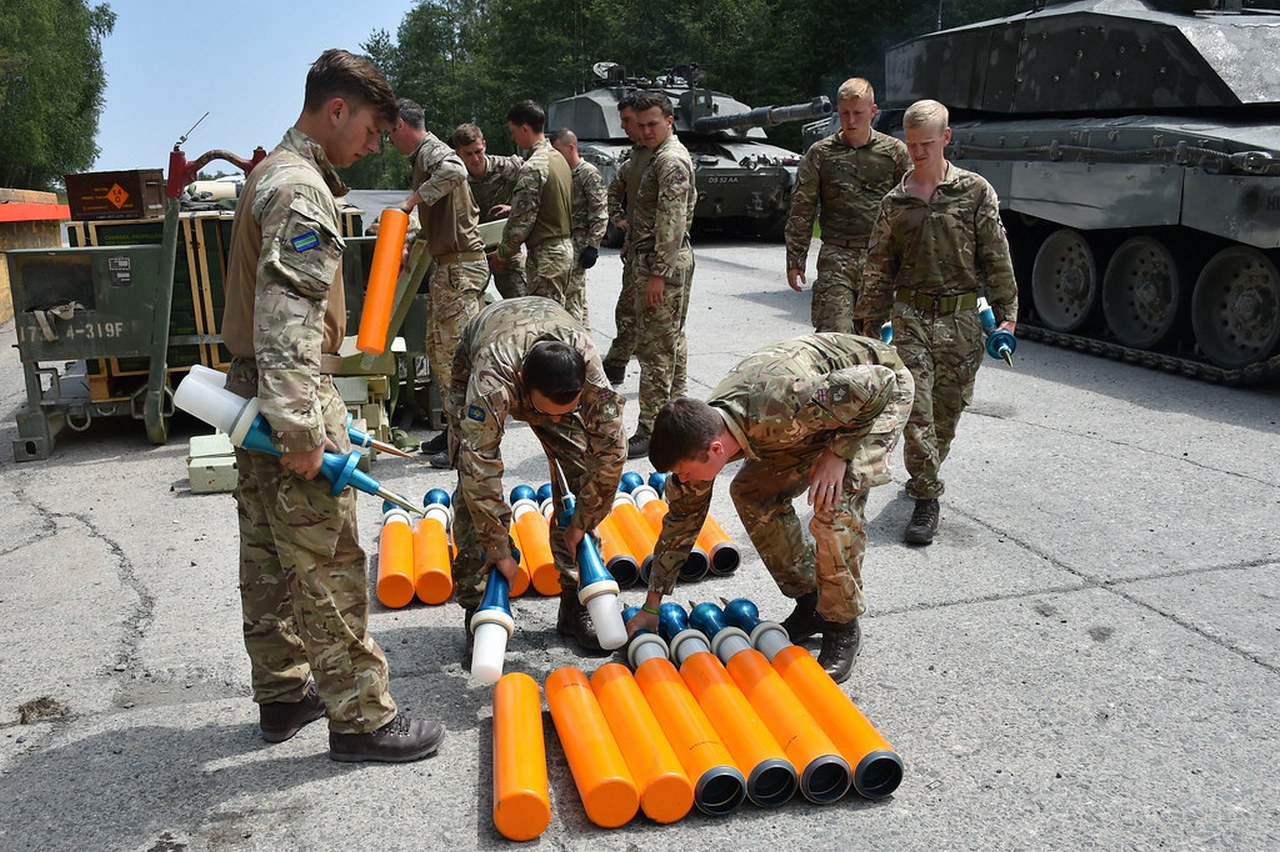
469,60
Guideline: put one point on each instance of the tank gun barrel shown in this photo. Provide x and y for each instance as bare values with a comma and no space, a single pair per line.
764,116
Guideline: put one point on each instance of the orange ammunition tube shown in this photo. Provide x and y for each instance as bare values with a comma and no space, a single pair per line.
604,782
635,530
520,584
521,795
666,794
877,768
535,535
432,570
621,563
718,785
380,292
824,774
720,549
654,509
395,559
771,777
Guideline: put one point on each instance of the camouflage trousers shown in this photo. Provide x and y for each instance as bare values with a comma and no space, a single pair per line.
304,586
835,289
548,270
943,353
566,441
456,296
763,491
577,295
624,320
660,339
510,281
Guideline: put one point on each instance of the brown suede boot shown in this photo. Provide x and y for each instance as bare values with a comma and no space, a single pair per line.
840,646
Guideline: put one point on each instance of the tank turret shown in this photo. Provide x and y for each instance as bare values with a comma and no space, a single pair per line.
1135,146
744,181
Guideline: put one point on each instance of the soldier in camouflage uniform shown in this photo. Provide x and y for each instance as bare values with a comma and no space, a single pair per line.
819,413
622,198
529,359
841,181
450,225
663,258
492,179
303,575
937,244
590,217
541,209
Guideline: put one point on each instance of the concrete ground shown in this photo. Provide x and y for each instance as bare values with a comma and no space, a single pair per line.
1088,655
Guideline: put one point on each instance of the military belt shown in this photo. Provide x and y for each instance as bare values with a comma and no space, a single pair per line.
846,242
457,257
935,303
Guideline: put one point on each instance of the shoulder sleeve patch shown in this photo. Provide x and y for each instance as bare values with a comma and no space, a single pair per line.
476,413
305,241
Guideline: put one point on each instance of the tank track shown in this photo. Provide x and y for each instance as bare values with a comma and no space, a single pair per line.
1262,372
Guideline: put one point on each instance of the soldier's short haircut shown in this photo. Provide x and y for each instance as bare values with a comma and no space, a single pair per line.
562,135
926,113
465,134
856,89
683,430
412,113
339,74
528,112
627,101
651,98
554,369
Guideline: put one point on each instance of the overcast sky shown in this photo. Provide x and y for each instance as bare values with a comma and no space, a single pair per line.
170,61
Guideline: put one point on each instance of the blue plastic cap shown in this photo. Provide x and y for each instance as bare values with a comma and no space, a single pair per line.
671,620
708,618
544,492
630,481
742,613
523,492
437,495
658,482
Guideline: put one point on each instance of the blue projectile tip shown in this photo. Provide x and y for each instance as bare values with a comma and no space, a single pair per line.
708,618
544,492
436,495
522,492
630,481
671,620
742,613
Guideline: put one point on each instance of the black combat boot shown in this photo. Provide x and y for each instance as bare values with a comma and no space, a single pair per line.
804,620
399,741
615,374
280,720
840,646
574,621
923,524
438,444
638,446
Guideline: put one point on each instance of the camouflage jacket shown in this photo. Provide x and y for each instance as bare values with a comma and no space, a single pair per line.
663,212
590,218
793,398
541,203
625,183
284,297
487,389
842,186
497,184
448,213
953,243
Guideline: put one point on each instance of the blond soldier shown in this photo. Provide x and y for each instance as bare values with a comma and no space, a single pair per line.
451,228
528,359
492,179
622,198
840,183
937,244
541,209
304,586
663,258
590,217
821,414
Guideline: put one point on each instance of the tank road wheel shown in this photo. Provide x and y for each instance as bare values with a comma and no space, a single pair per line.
1142,292
1235,307
1064,280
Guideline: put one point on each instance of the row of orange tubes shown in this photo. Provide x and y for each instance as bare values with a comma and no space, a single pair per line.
662,741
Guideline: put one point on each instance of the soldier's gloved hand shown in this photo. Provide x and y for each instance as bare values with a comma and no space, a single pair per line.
588,257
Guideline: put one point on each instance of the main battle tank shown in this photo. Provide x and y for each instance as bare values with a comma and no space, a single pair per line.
1135,146
744,182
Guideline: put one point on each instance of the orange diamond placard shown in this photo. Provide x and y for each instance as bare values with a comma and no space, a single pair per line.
117,196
